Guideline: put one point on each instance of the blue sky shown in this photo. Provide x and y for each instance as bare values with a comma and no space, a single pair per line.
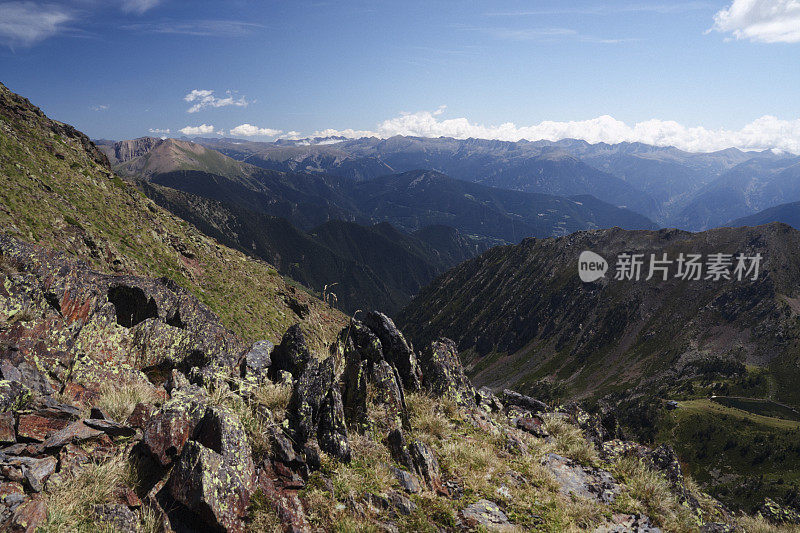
120,68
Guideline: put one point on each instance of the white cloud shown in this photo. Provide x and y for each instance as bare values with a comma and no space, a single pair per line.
100,107
203,98
203,129
202,28
248,130
766,21
761,134
159,131
292,136
26,23
138,6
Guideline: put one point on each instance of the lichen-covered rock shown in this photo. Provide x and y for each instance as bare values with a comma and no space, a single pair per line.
426,465
71,323
628,523
398,448
310,390
532,424
13,395
775,512
7,433
443,374
214,476
32,470
332,429
586,482
257,361
396,350
291,355
512,398
486,400
484,514
166,432
28,516
117,517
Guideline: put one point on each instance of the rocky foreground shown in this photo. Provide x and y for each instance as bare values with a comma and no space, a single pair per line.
126,406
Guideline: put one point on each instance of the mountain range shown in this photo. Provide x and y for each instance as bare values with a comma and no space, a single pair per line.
675,188
329,231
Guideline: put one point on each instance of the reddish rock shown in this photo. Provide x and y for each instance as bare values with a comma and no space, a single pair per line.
37,427
79,394
75,432
140,415
7,428
28,516
126,496
10,487
72,456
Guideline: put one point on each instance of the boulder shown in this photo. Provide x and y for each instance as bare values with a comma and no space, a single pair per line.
484,514
310,390
332,430
577,480
396,350
166,432
443,374
396,443
257,361
511,398
486,400
7,433
532,424
214,476
426,465
291,355
116,517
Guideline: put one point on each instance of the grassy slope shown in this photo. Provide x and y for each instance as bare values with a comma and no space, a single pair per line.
52,192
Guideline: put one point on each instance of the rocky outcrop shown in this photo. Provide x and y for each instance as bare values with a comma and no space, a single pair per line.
443,374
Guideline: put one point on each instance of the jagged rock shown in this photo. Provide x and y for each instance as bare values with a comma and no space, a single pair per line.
401,503
115,429
774,512
426,465
117,517
282,449
408,481
88,328
365,369
332,430
29,469
214,476
257,360
309,391
614,449
37,427
291,355
533,425
443,374
75,432
524,402
13,395
666,460
7,433
587,482
396,350
484,514
628,523
398,448
486,399
167,431
141,413
28,516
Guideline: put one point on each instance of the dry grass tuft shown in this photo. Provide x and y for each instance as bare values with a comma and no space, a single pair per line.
70,502
119,399
570,442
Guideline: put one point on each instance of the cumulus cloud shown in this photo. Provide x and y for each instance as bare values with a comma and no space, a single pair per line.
248,130
766,21
159,131
764,133
203,129
138,6
203,98
27,23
